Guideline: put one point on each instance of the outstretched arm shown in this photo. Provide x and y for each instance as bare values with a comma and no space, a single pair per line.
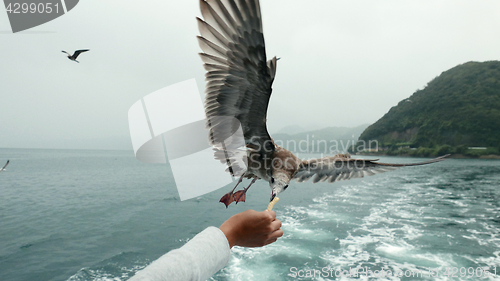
209,251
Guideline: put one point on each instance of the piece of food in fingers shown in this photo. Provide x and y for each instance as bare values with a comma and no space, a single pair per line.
271,204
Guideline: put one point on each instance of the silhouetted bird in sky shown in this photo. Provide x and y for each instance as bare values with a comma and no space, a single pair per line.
239,81
75,55
5,165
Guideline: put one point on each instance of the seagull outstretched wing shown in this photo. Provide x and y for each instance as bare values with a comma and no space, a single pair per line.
342,167
78,52
4,166
238,77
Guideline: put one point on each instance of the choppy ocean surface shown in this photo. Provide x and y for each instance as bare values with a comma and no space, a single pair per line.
102,215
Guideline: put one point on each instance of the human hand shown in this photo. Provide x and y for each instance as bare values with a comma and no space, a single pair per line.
252,229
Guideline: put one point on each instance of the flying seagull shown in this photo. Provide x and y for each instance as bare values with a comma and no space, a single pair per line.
238,85
75,55
5,165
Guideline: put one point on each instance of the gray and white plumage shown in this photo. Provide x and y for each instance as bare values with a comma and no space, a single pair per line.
343,167
238,76
239,84
75,54
4,166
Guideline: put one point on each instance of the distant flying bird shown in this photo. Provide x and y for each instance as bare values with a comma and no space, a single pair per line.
75,54
5,165
239,83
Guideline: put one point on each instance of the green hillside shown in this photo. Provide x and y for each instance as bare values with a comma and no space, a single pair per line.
458,109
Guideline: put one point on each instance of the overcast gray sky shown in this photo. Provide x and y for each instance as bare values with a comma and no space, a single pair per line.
343,63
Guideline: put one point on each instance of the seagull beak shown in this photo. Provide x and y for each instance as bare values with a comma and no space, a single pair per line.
273,194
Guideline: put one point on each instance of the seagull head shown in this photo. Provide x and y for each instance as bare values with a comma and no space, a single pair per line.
278,183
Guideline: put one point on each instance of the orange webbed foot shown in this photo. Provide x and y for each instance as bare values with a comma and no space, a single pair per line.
227,199
240,196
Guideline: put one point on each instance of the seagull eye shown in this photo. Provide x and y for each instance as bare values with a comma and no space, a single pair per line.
272,180
286,186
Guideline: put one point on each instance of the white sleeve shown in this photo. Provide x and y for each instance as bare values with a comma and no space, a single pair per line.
198,259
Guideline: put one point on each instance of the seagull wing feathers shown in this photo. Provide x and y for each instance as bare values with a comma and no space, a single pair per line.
5,165
238,77
340,167
76,53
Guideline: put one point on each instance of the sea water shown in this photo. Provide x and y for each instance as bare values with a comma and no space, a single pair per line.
103,215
